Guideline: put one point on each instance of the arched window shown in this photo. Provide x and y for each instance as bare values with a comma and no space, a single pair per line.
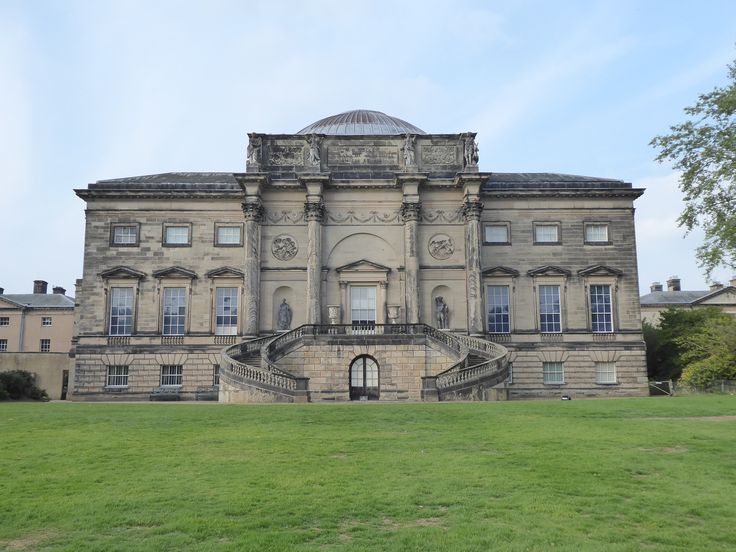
364,379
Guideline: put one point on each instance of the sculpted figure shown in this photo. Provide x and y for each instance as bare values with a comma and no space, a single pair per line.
443,312
409,150
314,154
254,150
284,318
471,152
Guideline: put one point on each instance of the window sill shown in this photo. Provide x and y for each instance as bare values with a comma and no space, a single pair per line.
124,245
554,384
115,388
497,243
228,245
176,244
613,384
547,243
598,243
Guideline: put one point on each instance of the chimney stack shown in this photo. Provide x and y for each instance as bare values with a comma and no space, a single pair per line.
715,286
2,290
39,286
673,284
656,286
58,290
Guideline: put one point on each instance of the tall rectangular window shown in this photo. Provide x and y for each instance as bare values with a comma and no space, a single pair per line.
45,346
3,345
124,234
171,374
117,376
600,309
550,319
605,372
215,374
121,311
226,311
553,373
175,310
498,309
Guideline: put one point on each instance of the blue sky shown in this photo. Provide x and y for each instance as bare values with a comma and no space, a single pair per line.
102,89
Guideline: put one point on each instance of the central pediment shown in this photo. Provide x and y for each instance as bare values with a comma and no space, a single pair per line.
363,265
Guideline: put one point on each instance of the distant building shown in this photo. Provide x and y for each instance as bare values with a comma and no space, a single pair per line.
659,300
359,259
35,334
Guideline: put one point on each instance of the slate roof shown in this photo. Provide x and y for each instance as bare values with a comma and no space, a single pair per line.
40,300
682,297
549,181
210,181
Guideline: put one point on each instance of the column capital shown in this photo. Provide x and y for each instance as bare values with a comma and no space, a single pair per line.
253,209
472,209
314,210
410,210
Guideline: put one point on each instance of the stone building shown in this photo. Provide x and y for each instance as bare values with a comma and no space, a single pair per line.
658,299
359,258
36,334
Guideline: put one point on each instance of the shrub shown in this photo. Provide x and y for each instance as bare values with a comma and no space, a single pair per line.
20,384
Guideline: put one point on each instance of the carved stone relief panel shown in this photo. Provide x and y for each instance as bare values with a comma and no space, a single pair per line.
284,248
292,155
362,155
439,155
441,246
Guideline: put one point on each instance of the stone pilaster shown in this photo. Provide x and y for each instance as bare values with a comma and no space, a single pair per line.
410,214
472,208
253,214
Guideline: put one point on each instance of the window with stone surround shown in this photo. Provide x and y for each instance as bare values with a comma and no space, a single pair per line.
45,346
171,375
3,345
228,235
215,374
174,310
4,321
117,376
553,373
601,310
605,372
550,315
226,311
547,233
497,233
46,321
596,233
121,310
177,235
499,317
124,235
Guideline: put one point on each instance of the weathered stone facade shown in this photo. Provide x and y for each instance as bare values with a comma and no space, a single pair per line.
316,217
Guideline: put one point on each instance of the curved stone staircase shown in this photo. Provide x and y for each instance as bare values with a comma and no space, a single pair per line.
251,371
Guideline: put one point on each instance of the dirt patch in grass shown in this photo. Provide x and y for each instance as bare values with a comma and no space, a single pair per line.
28,542
666,450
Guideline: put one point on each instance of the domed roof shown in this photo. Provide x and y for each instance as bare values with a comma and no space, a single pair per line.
361,122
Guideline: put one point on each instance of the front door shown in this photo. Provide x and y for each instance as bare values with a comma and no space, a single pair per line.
363,308
364,379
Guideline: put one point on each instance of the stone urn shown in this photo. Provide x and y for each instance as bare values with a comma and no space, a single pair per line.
393,313
333,312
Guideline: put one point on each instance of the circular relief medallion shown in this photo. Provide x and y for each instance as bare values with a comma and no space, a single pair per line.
441,246
284,248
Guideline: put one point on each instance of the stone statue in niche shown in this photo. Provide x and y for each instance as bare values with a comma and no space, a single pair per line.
443,313
409,159
254,151
284,319
471,152
313,156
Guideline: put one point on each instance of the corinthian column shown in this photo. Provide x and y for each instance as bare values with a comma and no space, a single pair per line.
472,208
410,213
314,212
253,213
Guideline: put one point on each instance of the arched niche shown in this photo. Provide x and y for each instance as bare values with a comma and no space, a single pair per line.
446,293
362,245
279,294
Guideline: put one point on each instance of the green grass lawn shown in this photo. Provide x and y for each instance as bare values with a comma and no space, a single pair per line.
629,474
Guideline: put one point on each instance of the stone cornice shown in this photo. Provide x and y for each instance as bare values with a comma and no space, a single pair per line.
159,194
631,193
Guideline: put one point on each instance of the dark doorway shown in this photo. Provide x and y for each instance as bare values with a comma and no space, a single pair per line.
64,384
364,379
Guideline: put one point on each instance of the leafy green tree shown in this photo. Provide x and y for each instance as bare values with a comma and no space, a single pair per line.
703,148
709,353
665,347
